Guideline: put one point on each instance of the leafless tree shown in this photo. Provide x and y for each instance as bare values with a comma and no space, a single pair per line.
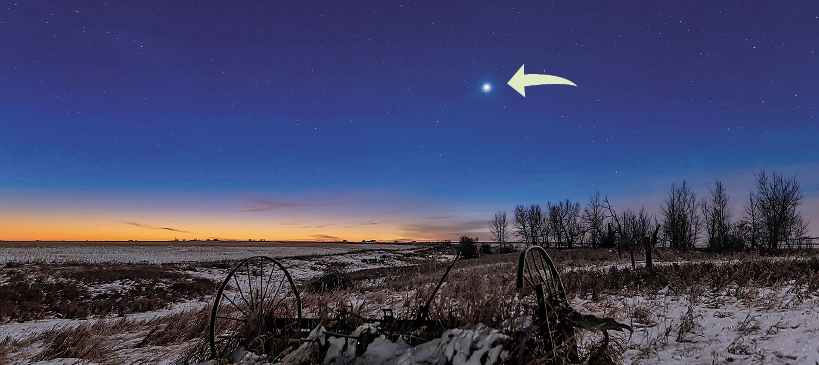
531,224
716,214
637,225
545,229
554,219
499,227
572,226
521,223
798,229
536,218
777,198
617,233
682,222
751,226
564,222
593,218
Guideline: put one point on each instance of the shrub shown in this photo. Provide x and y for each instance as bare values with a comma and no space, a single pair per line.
334,278
507,248
467,247
486,248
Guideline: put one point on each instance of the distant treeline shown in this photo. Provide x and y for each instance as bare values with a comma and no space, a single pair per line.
769,220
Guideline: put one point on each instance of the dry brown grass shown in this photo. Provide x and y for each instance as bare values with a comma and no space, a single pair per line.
102,341
177,328
87,342
478,290
35,291
682,278
9,346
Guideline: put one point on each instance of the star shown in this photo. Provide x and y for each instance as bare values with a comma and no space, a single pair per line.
487,87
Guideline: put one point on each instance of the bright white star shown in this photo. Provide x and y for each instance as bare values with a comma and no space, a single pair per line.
487,87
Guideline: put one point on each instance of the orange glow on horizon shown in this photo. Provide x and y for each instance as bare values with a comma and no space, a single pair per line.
67,227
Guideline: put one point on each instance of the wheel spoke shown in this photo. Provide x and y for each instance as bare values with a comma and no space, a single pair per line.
234,304
543,272
279,302
261,283
528,264
268,282
240,292
281,283
232,319
225,338
250,286
272,306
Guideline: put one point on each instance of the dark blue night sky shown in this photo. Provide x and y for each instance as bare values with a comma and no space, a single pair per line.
364,119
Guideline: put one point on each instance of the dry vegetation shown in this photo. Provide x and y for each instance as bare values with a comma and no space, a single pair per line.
682,278
479,290
77,291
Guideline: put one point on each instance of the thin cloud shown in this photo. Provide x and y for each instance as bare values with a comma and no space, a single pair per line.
444,229
319,226
362,224
266,204
324,237
294,223
135,224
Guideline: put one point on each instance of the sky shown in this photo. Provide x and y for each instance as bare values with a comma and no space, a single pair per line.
389,120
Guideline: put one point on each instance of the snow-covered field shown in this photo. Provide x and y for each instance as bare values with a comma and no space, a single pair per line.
155,254
777,324
774,328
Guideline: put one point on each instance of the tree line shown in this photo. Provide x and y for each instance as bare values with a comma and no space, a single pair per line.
768,220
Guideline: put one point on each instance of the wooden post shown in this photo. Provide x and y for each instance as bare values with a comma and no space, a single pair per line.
648,247
631,252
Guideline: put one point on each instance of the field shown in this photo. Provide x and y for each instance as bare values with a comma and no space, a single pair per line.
136,302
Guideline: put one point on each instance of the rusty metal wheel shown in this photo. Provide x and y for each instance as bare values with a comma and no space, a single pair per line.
536,268
257,307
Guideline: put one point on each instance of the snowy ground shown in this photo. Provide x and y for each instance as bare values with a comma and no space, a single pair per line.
747,325
155,254
776,328
311,262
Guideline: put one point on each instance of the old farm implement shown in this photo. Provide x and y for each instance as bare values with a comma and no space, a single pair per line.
258,308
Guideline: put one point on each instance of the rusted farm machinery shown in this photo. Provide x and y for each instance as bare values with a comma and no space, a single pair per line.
258,308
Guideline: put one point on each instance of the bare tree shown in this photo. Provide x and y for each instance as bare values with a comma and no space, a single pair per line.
499,227
545,229
797,230
633,228
536,218
554,219
593,218
682,223
616,234
570,223
751,226
564,223
530,224
521,223
716,214
777,198
637,225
